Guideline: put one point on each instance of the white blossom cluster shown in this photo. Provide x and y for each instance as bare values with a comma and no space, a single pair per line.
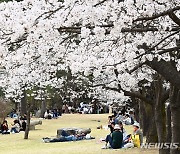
39,37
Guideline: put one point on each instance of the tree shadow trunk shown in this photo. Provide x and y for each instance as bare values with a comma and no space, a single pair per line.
175,122
26,135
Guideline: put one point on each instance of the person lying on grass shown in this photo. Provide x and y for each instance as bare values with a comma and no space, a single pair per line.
115,139
65,137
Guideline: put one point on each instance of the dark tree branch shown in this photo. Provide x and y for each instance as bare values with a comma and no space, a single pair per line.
166,70
101,2
168,50
136,67
155,16
123,30
174,18
131,94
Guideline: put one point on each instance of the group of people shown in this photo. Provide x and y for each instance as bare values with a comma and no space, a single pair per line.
50,114
118,137
65,137
16,127
84,108
128,118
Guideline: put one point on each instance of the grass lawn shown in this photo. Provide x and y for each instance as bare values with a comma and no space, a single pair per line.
15,144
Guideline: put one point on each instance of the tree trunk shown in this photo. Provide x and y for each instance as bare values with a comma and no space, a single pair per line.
160,114
143,118
151,136
26,135
168,127
43,108
175,114
23,109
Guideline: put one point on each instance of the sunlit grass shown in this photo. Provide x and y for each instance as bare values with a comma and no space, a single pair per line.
15,144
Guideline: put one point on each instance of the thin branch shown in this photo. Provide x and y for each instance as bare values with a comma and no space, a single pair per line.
136,67
68,37
101,2
51,12
152,48
168,50
164,39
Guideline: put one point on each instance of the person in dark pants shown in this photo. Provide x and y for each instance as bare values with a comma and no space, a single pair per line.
115,140
23,125
65,137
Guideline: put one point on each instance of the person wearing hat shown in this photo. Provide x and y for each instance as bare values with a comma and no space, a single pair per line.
116,139
137,131
130,142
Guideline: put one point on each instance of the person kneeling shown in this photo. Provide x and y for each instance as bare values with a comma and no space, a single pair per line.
116,139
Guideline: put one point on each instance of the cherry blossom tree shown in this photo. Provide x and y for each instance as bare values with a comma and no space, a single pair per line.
120,42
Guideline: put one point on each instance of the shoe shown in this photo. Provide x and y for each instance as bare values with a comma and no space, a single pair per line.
104,147
46,140
102,139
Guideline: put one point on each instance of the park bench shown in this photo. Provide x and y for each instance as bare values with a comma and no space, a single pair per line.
34,123
73,130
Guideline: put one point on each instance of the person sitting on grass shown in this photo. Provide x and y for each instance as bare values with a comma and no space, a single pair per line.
48,115
136,139
122,130
127,120
23,125
15,127
4,127
109,121
137,131
114,119
112,127
115,140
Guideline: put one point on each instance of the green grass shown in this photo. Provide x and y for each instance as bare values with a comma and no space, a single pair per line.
15,144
